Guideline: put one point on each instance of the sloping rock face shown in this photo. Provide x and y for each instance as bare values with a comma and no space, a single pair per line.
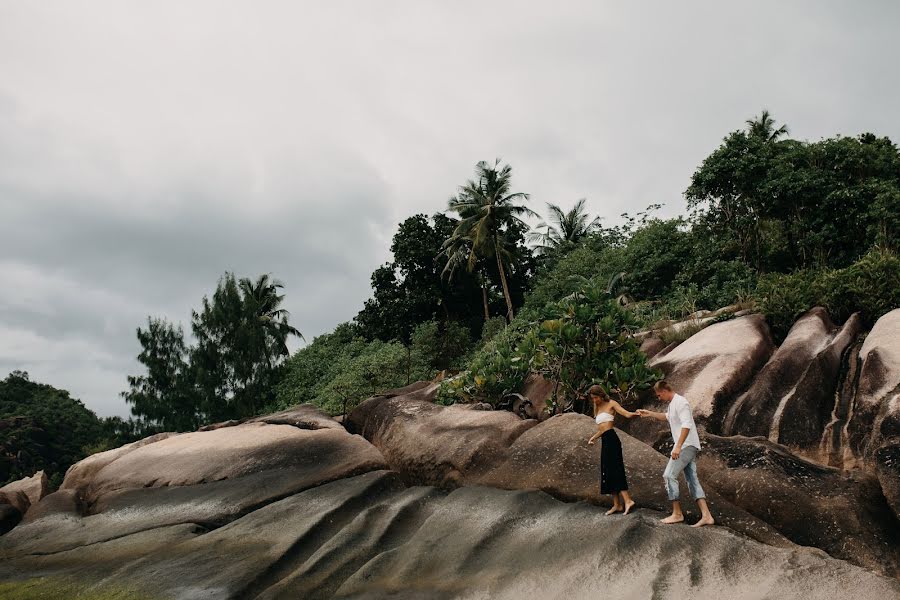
371,536
873,430
451,446
791,399
841,512
711,367
26,492
205,478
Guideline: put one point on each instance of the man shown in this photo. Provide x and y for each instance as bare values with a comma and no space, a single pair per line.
684,454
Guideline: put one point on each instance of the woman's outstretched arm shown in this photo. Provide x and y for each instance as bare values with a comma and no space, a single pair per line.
625,413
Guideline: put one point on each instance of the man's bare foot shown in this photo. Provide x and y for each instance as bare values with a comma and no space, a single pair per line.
628,506
673,519
616,508
704,521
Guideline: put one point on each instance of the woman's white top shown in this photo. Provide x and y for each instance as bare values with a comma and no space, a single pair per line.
604,417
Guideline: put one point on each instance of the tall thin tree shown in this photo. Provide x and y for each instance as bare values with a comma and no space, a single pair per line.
487,208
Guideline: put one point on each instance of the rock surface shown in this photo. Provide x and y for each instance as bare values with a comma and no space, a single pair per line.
449,446
791,399
711,367
26,492
207,478
872,436
841,512
370,536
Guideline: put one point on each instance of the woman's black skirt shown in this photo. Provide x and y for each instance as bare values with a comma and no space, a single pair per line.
612,466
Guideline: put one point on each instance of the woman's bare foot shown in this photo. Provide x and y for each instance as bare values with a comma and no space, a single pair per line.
616,508
673,519
628,506
704,521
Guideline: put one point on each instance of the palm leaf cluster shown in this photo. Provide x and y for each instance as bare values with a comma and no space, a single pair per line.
563,229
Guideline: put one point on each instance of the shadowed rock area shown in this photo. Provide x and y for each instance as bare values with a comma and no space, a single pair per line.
370,536
841,512
451,446
417,500
712,366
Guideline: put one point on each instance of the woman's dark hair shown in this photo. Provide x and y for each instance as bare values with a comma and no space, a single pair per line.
596,390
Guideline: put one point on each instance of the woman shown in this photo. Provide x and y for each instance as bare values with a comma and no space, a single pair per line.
612,466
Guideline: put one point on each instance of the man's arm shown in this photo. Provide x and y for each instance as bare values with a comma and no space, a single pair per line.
642,412
676,451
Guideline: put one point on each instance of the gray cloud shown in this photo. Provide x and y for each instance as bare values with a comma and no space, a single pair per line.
145,148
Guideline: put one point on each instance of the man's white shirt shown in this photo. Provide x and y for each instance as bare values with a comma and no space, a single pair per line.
679,416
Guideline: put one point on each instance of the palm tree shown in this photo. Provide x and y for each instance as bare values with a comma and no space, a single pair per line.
486,209
263,304
456,251
565,228
764,127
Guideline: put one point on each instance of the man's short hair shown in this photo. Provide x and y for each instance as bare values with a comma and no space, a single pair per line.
662,384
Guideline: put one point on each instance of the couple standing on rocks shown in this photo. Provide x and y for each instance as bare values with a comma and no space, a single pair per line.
683,457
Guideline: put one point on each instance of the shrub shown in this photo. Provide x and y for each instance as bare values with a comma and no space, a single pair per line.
870,286
585,338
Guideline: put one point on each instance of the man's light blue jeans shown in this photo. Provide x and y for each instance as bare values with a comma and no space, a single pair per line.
684,462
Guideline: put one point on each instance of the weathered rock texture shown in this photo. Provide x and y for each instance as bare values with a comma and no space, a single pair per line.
711,367
24,493
207,478
873,429
370,536
791,399
841,512
450,446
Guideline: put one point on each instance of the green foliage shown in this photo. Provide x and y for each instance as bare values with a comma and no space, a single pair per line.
491,328
61,587
439,346
377,367
567,275
42,427
781,204
490,224
241,338
563,230
166,395
870,286
585,338
410,290
231,372
311,368
339,369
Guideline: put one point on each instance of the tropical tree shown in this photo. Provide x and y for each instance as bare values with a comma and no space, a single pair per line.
263,303
487,209
164,397
763,127
563,229
241,335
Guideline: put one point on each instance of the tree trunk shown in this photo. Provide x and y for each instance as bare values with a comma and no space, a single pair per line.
509,306
487,314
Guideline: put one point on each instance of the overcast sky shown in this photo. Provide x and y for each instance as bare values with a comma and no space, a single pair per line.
147,147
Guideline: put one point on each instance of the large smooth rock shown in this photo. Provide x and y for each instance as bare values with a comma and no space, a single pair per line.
451,446
873,430
207,478
792,398
713,366
372,537
26,492
82,472
536,390
879,382
841,512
